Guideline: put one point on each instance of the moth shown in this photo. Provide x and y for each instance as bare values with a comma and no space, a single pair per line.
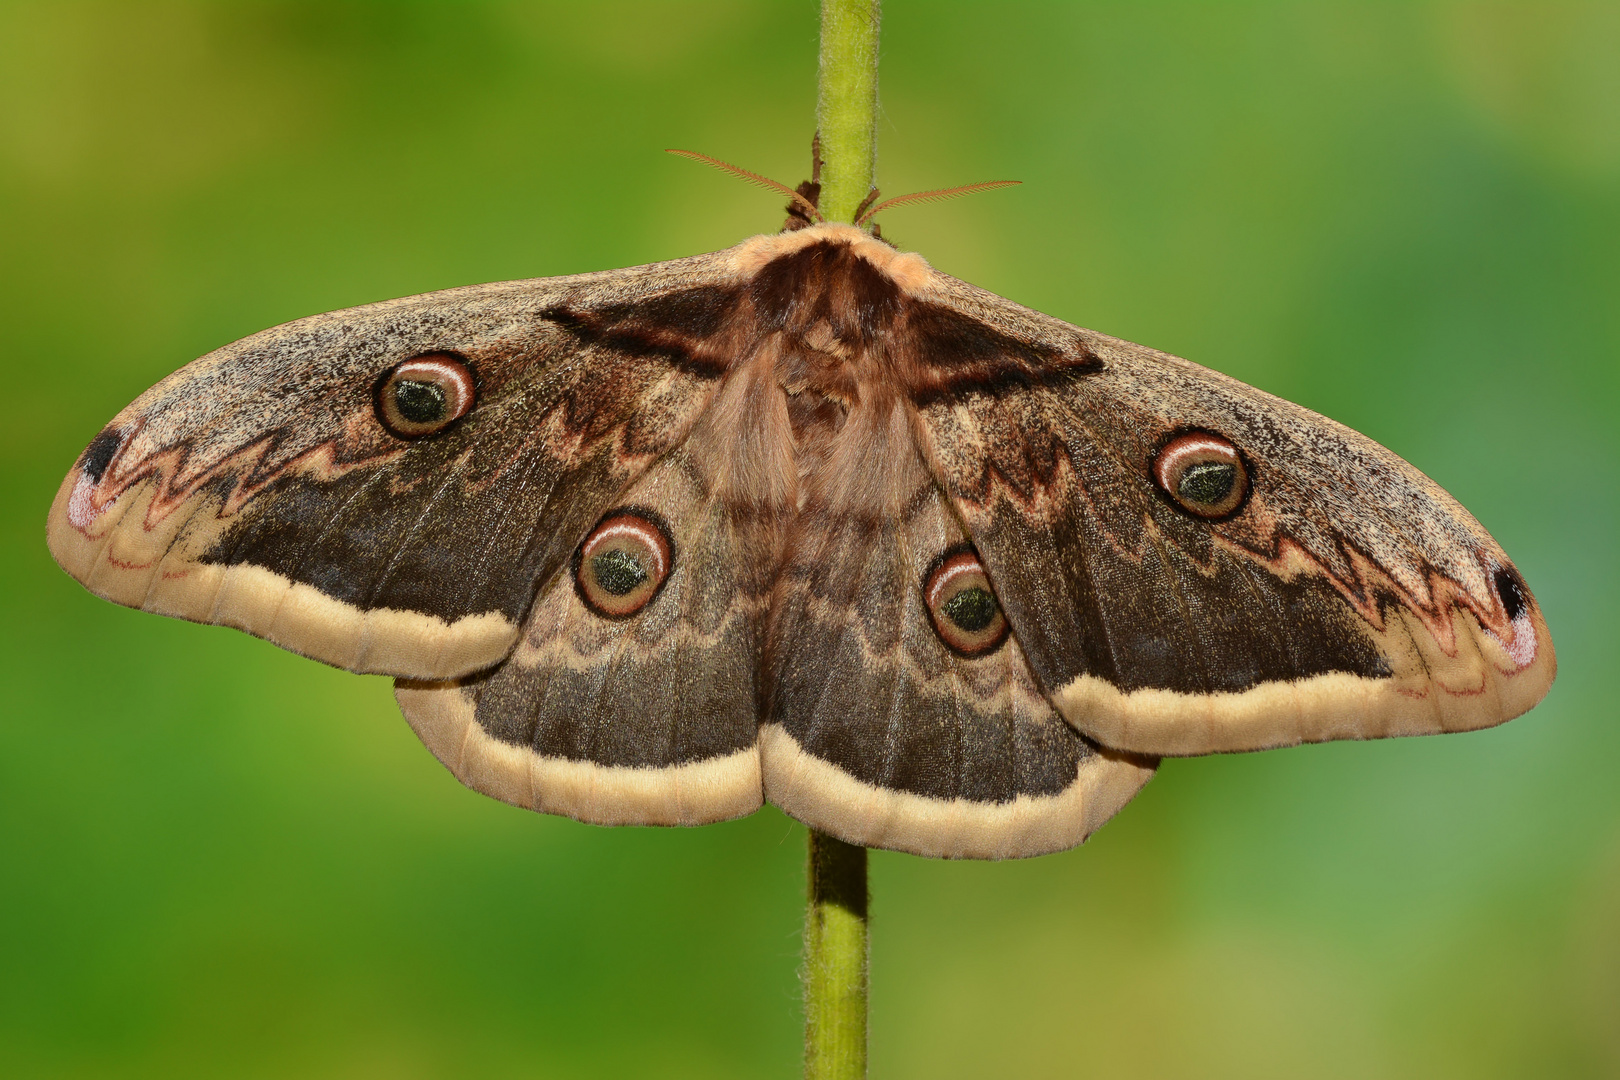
806,521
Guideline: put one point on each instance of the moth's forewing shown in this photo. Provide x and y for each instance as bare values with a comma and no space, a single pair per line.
1346,596
258,488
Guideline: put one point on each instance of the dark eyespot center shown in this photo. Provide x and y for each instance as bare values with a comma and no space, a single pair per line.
420,402
972,609
618,572
1208,482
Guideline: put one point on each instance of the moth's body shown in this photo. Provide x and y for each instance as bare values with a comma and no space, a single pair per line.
803,520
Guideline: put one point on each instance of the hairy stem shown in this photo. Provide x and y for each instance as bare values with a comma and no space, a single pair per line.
846,107
835,944
835,961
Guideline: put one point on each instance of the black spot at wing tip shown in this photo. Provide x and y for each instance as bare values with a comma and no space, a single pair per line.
1510,587
99,454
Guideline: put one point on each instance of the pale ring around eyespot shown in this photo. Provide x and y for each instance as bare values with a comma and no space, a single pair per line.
445,371
1166,465
645,559
949,570
629,526
1182,452
434,368
963,562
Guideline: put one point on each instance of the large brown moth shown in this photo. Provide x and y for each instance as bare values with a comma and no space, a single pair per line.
805,521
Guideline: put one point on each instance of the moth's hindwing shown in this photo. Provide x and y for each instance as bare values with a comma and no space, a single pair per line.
879,731
632,696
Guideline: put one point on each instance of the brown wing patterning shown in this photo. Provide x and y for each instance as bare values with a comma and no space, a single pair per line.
267,486
1193,565
804,521
632,694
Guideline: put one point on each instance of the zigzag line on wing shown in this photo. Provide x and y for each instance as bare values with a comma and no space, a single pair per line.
1365,583
255,465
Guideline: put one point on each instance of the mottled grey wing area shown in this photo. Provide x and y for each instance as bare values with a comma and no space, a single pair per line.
651,718
258,488
1348,597
875,731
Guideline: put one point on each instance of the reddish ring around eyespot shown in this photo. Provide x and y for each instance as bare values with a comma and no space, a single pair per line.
623,563
1203,473
963,606
425,394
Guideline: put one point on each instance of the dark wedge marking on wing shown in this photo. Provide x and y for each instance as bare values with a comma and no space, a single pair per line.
953,356
685,328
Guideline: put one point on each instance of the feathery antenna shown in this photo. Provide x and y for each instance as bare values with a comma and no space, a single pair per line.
753,178
864,213
931,196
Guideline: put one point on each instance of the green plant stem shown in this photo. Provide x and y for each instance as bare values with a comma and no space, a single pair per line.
835,938
846,107
835,956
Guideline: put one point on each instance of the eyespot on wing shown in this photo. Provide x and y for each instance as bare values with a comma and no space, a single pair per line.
623,563
425,394
1202,473
962,604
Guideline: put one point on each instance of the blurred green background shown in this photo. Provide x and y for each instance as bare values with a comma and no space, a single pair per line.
217,859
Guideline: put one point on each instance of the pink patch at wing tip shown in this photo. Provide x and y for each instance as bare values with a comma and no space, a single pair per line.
81,506
1522,648
1511,593
93,466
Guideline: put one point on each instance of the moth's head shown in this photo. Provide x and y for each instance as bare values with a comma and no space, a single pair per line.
804,201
